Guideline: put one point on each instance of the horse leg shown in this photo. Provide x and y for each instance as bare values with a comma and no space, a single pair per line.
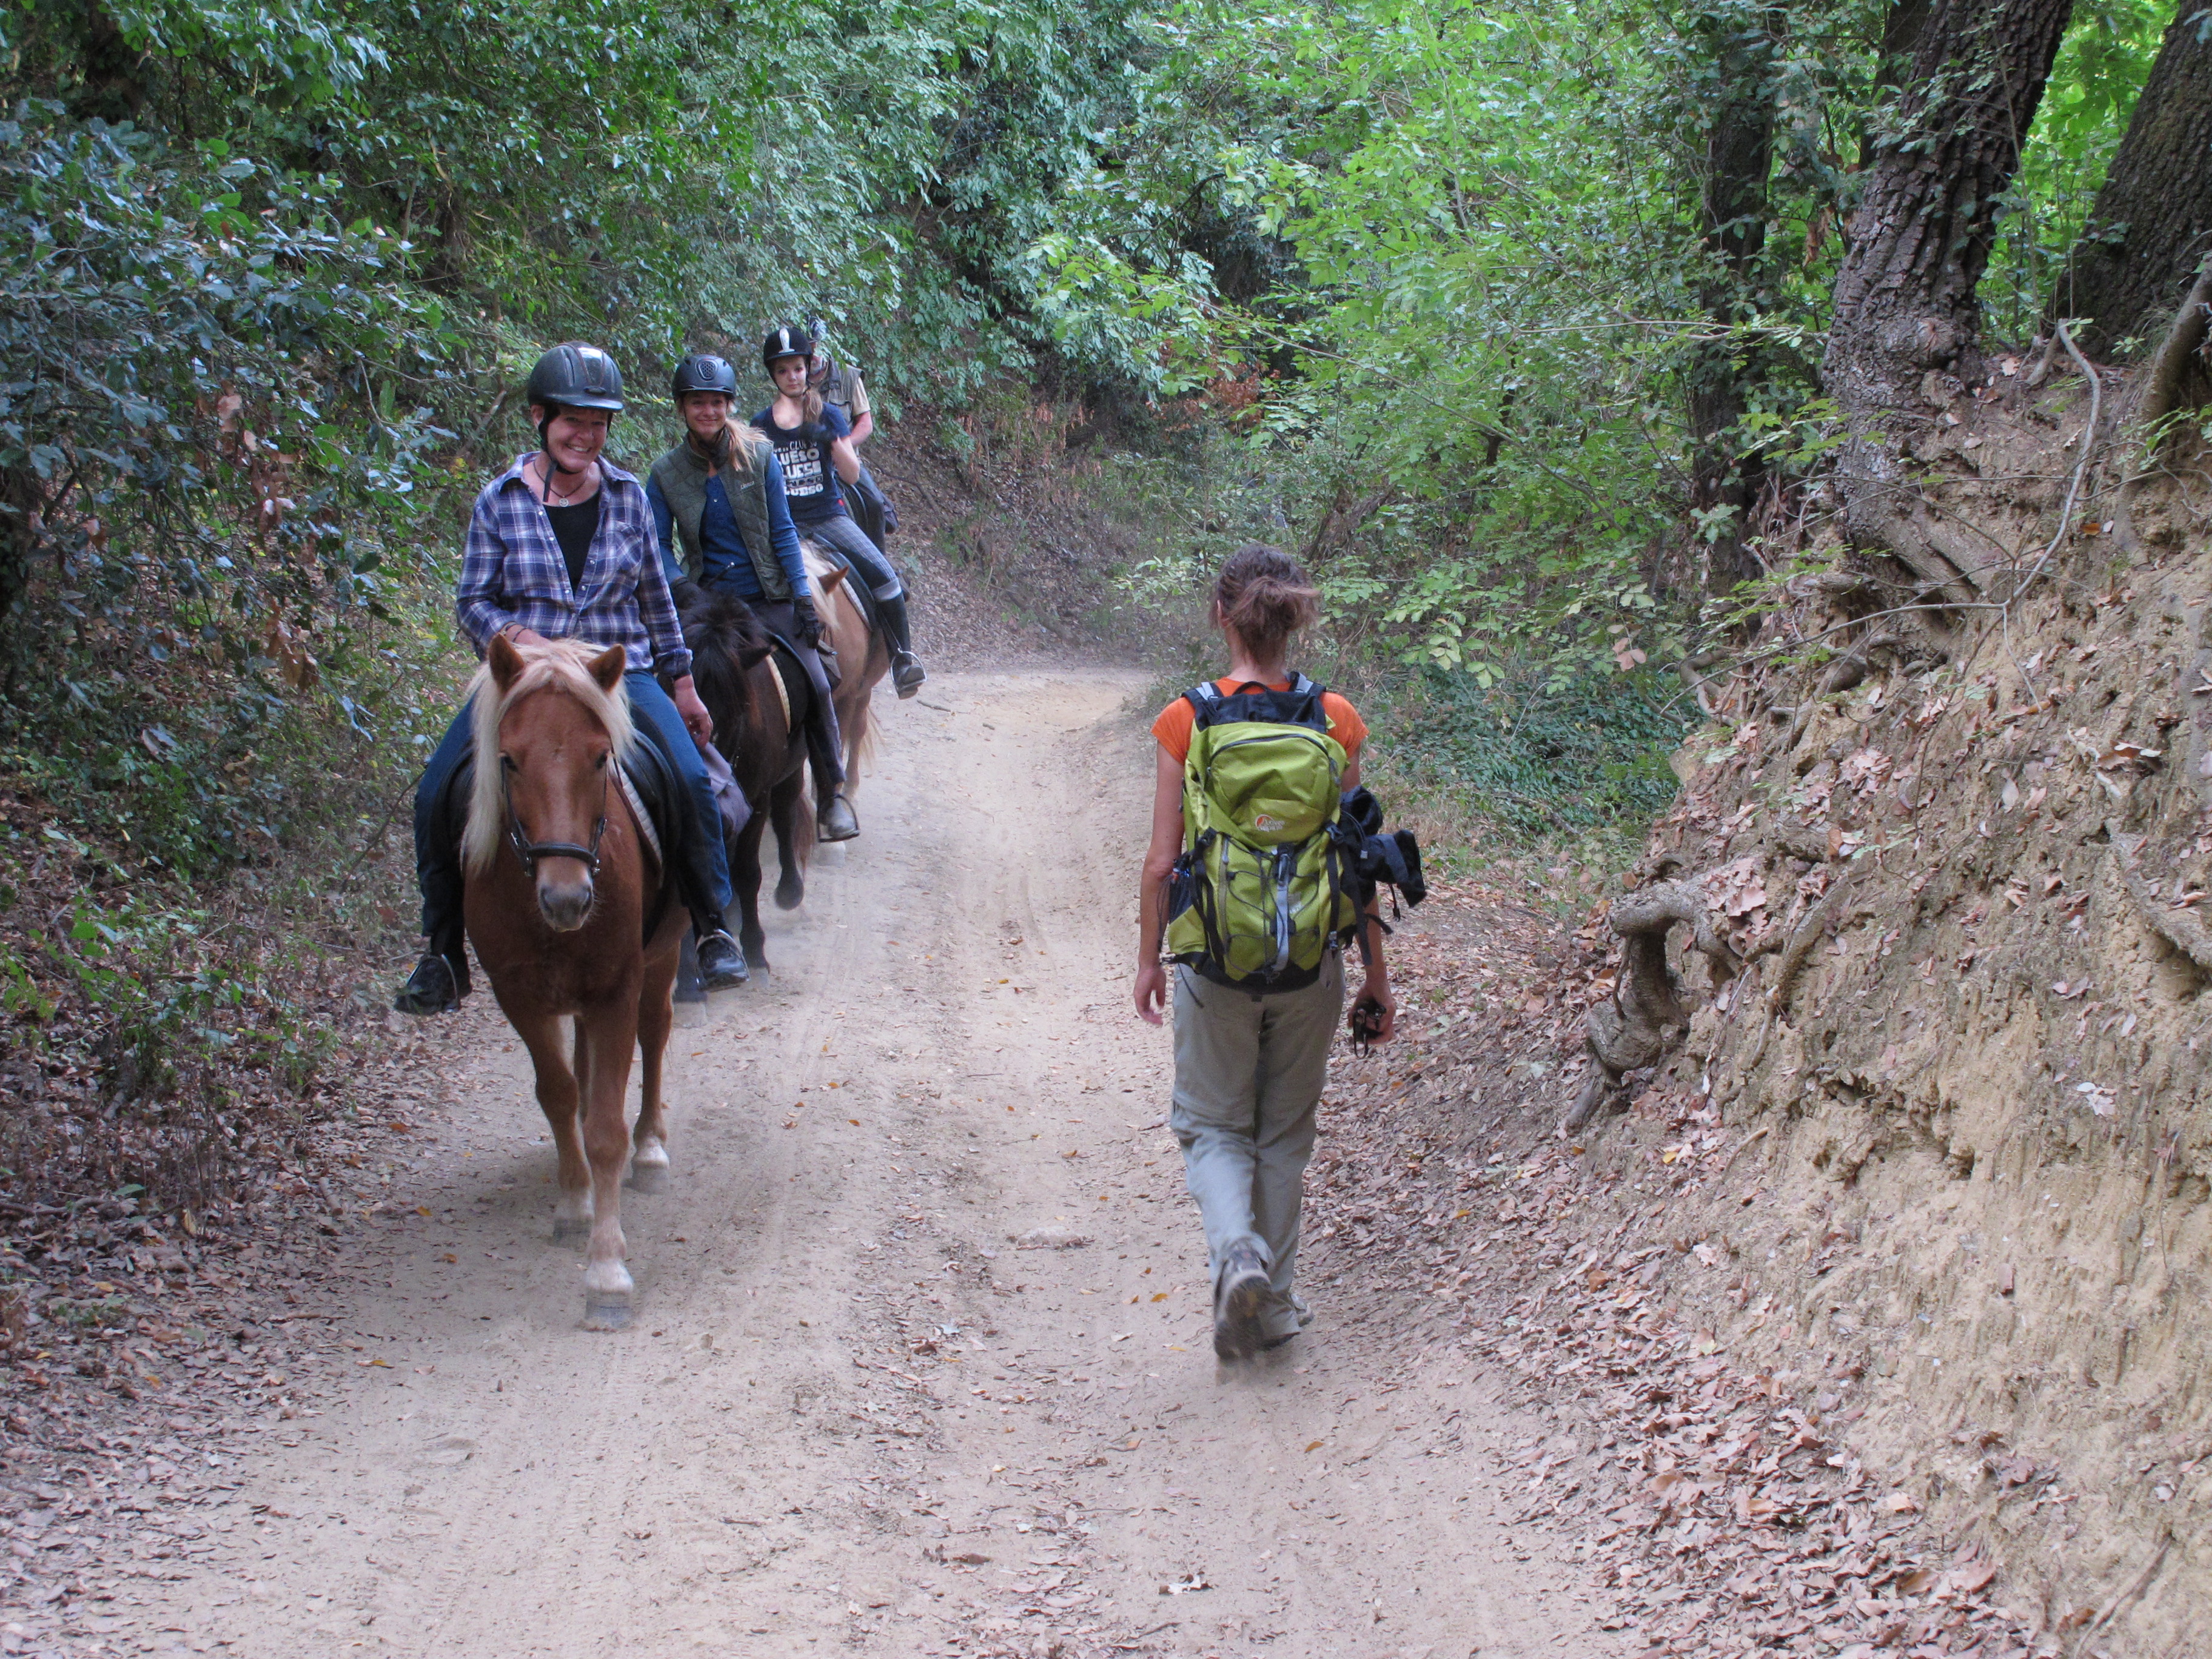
605,1037
557,1085
783,807
746,878
855,730
691,992
648,1163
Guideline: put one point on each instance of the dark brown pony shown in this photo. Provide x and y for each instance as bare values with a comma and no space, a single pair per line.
759,699
559,883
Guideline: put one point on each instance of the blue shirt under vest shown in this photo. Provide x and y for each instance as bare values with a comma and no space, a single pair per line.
729,565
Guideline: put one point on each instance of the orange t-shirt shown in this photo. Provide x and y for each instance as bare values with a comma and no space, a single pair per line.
1178,720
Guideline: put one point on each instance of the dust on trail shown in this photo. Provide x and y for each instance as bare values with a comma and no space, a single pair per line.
854,1412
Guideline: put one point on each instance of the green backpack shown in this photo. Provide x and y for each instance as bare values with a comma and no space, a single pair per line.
1266,885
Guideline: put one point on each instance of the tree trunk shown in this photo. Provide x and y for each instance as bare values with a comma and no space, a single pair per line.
2152,225
1904,311
1725,482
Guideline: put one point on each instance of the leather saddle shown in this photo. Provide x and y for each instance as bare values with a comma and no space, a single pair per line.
651,780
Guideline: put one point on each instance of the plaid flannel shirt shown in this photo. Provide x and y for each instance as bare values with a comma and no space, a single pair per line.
511,572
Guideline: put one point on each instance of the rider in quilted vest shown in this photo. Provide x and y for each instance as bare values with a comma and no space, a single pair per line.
717,503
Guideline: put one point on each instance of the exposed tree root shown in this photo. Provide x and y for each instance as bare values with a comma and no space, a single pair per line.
1846,671
2180,928
1643,1018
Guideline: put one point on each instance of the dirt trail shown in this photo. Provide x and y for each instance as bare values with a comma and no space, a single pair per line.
854,1411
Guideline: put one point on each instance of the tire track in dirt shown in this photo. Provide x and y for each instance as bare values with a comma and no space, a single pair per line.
876,1398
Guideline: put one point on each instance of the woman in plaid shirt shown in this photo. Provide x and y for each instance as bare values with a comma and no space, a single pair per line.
560,546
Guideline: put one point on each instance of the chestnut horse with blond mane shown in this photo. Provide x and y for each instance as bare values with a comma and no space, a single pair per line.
559,884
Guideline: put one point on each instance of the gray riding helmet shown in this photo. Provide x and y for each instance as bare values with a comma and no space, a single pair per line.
703,371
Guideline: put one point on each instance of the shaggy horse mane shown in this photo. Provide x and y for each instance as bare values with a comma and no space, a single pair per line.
726,638
562,666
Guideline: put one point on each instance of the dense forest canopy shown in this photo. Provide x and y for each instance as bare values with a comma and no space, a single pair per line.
1521,323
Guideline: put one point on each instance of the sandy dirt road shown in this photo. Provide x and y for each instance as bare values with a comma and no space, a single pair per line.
878,1398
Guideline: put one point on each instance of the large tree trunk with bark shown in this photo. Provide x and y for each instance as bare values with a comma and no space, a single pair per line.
1724,482
2152,226
1905,314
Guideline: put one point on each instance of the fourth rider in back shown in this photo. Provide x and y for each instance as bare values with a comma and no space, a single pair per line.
813,442
720,492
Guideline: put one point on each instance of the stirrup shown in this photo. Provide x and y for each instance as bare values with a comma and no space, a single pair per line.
721,964
836,821
907,673
432,988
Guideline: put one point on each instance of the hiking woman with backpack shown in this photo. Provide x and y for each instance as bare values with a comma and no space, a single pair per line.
1246,886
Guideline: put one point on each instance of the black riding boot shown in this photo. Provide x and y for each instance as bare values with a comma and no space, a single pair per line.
440,979
907,671
721,964
834,818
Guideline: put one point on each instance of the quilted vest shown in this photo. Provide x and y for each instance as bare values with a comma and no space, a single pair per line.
682,476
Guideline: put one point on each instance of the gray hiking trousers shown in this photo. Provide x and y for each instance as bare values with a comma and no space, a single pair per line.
1249,1075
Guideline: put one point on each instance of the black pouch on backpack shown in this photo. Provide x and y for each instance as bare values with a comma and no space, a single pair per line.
1392,858
1182,889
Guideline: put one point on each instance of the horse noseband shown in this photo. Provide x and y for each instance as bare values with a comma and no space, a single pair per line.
531,851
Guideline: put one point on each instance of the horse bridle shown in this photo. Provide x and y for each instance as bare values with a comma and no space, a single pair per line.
531,851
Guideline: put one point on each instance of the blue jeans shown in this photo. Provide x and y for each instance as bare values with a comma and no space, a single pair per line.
704,881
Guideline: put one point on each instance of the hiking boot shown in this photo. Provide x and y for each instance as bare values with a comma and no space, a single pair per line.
1238,1296
836,821
721,964
430,990
907,673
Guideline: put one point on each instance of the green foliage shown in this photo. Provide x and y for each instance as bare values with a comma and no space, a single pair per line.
2101,67
1542,756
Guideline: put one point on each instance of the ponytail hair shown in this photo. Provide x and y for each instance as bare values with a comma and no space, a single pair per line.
1264,598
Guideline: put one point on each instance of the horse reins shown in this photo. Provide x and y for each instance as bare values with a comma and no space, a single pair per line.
531,851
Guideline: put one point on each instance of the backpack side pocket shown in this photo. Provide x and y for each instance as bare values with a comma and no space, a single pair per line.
1182,887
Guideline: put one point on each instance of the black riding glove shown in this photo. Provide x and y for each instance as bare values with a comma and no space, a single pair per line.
805,622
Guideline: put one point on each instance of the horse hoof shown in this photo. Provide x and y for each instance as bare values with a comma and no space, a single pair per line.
605,1316
571,1230
648,1178
691,1014
790,894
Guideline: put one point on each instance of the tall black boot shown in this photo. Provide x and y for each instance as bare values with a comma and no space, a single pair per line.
907,671
834,818
440,979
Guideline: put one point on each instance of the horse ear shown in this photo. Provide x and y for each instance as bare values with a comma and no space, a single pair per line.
504,661
829,583
607,667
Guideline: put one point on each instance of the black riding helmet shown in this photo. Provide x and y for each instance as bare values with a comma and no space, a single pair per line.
788,341
574,375
704,372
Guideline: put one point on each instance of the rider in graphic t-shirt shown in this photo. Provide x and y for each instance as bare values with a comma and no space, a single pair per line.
813,447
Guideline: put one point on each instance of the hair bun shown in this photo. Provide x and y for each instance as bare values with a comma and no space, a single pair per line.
1263,597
